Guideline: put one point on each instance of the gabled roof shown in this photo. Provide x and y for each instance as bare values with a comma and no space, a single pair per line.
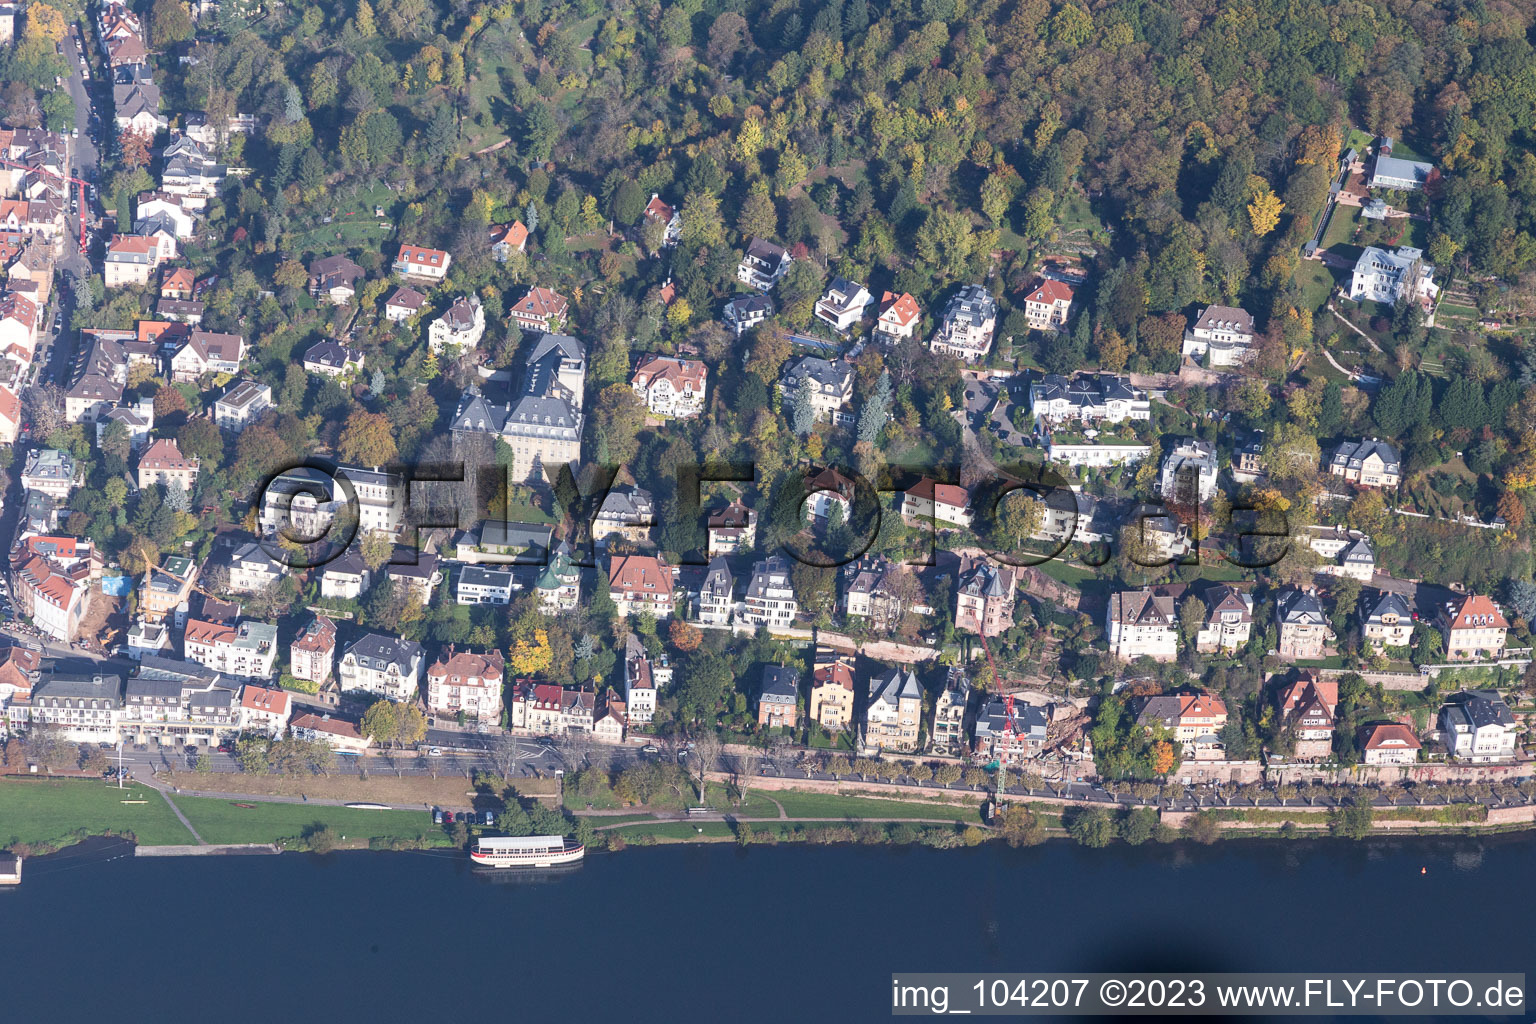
1474,611
899,310
927,489
1049,291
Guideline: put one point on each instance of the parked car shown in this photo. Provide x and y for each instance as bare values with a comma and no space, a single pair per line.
447,817
437,816
488,818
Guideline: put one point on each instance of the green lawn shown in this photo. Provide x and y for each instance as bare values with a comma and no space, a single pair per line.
1341,226
220,821
1063,572
798,804
49,811
1316,282
680,829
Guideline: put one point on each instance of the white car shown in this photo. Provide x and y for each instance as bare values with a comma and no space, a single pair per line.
434,752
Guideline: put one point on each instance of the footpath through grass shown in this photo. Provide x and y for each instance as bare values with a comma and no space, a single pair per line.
220,821
800,804
53,812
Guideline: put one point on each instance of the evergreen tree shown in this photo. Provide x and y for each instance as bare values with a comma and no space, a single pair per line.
876,408
802,414
176,497
531,217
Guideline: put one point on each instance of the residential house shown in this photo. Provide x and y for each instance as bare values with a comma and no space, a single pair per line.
1228,623
148,638
90,398
899,317
669,386
894,712
20,671
339,734
826,489
306,500
611,721
1349,552
498,541
466,684
242,405
247,649
732,528
332,359
770,598
1224,334
551,709
871,591
166,587
1143,624
950,709
659,212
1392,277
1388,623
628,512
843,304
313,652
506,239
1010,730
1087,399
252,570
1388,743
1474,628
130,261
827,382
417,261
162,463
461,326
984,596
1368,463
1188,473
831,704
640,684
717,594
967,325
386,666
334,279
1396,173
345,577
80,708
157,211
541,310
54,596
403,303
559,585
778,700
640,584
1309,706
1048,304
1304,628
264,710
946,503
483,584
18,327
180,311
745,312
418,577
762,265
49,471
207,352
1477,727
1193,719
542,425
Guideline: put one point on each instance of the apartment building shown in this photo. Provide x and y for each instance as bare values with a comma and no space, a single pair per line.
247,649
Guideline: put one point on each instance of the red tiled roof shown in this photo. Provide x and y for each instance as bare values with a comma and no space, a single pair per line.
1475,612
901,310
1390,734
928,489
420,256
260,698
1049,292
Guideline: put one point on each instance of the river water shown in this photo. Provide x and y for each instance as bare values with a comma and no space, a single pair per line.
710,933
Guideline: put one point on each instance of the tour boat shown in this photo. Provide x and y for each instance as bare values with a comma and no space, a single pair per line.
525,851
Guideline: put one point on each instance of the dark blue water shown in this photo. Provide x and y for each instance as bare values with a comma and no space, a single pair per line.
714,933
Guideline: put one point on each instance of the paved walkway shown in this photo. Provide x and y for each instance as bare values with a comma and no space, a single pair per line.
1350,324
759,821
182,818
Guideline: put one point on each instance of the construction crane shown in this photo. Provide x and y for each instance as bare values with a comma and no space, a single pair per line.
64,178
1009,721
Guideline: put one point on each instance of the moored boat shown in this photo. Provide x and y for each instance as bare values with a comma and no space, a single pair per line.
525,851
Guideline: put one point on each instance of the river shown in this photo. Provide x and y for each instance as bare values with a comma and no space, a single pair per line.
706,933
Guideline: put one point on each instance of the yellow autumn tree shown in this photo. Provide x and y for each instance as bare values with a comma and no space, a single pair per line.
531,654
749,139
1162,757
1264,210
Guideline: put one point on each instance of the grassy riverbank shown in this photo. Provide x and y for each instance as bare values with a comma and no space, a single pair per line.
222,821
44,813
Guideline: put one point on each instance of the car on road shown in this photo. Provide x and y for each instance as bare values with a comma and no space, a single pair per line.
650,748
548,741
435,752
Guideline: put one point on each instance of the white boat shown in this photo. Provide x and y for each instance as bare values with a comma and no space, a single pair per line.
525,851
